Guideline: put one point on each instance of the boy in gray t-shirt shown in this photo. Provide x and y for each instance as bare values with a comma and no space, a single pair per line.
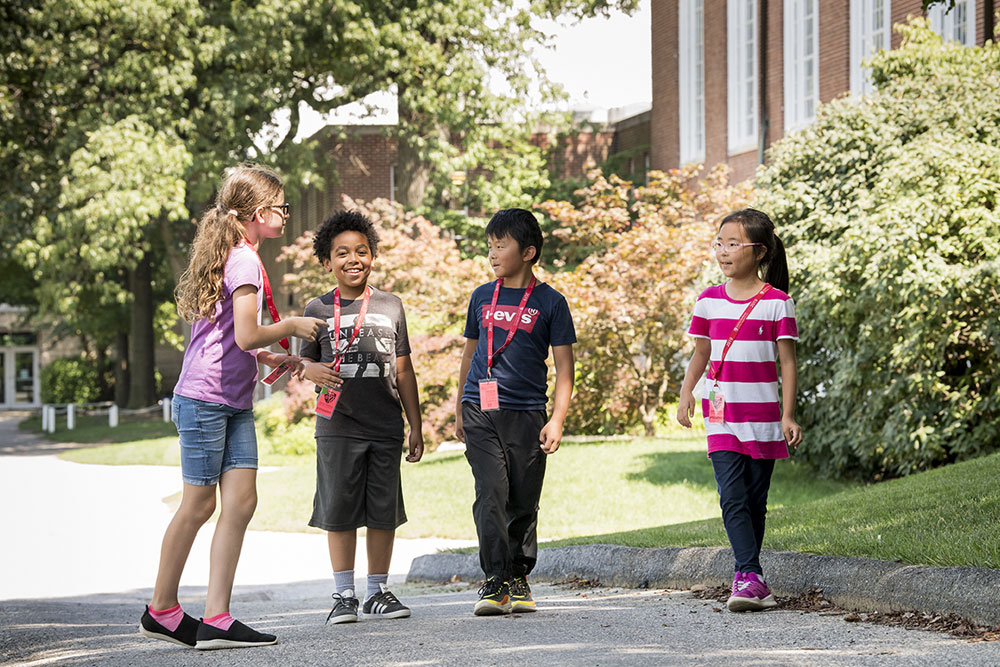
365,363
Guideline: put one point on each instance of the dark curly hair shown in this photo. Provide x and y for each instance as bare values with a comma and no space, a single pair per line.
343,221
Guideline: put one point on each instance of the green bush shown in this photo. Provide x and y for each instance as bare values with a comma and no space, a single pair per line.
889,207
277,435
70,380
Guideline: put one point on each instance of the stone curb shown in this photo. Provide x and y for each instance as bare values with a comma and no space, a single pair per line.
853,583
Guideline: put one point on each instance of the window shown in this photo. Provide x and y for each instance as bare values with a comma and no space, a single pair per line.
957,25
742,74
871,24
801,62
691,70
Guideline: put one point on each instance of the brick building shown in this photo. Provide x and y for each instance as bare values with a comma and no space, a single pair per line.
731,77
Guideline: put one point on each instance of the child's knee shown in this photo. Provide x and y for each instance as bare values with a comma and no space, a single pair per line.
199,510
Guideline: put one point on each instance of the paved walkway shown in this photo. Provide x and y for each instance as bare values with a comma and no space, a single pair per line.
71,529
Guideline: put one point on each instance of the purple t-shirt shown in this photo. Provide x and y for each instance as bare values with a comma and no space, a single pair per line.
215,369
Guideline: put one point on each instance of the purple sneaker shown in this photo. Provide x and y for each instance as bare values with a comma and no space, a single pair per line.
737,580
752,594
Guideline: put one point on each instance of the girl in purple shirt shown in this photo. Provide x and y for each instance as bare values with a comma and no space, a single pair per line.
221,294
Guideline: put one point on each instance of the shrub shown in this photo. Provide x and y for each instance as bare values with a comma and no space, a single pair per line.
889,206
70,380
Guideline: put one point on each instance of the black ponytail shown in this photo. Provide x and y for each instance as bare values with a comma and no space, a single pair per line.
760,229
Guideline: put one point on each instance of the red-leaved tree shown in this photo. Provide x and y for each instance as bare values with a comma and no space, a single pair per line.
640,253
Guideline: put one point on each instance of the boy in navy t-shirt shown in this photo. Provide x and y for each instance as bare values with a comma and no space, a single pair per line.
501,414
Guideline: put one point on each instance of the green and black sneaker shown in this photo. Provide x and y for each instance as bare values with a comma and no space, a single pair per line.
494,598
521,601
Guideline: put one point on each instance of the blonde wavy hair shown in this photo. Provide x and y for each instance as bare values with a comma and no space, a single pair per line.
245,189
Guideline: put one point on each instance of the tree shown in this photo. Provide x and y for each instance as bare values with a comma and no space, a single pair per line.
212,77
889,207
642,251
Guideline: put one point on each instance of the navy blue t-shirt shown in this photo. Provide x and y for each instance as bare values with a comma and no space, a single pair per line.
520,369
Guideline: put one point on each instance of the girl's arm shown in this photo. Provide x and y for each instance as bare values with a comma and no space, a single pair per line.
789,387
551,434
702,353
250,335
463,376
406,382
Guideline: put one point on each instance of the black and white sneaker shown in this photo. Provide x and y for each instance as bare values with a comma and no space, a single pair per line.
345,608
237,636
186,633
385,605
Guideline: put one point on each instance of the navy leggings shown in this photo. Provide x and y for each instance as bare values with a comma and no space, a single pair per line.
743,483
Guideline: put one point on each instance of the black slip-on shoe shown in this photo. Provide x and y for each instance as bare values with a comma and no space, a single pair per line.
237,636
185,634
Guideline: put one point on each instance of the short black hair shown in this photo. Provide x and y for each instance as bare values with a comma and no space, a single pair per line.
343,221
518,224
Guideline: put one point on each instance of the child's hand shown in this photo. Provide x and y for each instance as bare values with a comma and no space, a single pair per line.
295,364
685,409
550,436
322,375
792,431
459,429
416,446
306,327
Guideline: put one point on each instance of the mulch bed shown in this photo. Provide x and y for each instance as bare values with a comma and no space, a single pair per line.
814,602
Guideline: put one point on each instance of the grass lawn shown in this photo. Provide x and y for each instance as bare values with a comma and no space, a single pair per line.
91,430
947,516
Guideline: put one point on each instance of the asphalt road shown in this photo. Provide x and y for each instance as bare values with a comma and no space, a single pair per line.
578,627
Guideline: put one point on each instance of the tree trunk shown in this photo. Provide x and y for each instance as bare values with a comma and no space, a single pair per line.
142,385
101,361
121,370
412,175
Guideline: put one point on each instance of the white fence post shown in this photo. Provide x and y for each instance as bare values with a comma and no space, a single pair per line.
166,409
45,417
113,416
70,417
52,419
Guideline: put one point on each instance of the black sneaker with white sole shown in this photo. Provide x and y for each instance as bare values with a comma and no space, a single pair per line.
345,608
186,633
237,636
385,605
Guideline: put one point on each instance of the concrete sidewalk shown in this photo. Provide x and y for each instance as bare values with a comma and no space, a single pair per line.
71,529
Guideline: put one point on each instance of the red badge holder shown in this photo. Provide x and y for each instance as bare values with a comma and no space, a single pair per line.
716,406
489,395
326,402
276,373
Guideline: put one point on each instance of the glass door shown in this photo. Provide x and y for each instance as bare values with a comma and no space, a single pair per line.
25,366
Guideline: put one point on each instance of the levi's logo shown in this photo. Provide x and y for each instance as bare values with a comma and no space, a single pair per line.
503,316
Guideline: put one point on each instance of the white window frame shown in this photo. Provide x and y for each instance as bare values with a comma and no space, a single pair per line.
801,65
950,24
871,31
741,75
691,79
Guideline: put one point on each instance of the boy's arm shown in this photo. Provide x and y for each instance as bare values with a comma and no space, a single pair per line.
406,382
551,434
702,353
463,376
789,387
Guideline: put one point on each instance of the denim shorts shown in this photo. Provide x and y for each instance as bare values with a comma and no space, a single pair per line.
214,438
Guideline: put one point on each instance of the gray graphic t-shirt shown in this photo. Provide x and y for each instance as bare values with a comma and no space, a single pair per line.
369,406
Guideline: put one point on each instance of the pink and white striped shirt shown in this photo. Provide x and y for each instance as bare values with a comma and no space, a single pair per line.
749,377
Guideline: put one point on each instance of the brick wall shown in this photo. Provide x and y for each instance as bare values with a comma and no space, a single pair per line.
834,72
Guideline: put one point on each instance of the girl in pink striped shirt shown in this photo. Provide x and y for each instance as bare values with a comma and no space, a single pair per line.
741,328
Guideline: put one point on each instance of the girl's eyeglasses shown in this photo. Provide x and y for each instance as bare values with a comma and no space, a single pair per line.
284,208
732,246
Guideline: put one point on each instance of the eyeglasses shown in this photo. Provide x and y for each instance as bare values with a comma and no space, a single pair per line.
284,208
732,246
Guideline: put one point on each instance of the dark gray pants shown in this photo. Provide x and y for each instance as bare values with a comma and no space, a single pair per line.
743,484
508,464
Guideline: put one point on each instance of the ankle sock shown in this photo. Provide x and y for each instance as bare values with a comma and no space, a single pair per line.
168,618
343,581
373,581
221,621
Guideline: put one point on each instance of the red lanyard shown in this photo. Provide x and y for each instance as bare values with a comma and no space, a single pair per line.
736,330
336,324
268,298
490,354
